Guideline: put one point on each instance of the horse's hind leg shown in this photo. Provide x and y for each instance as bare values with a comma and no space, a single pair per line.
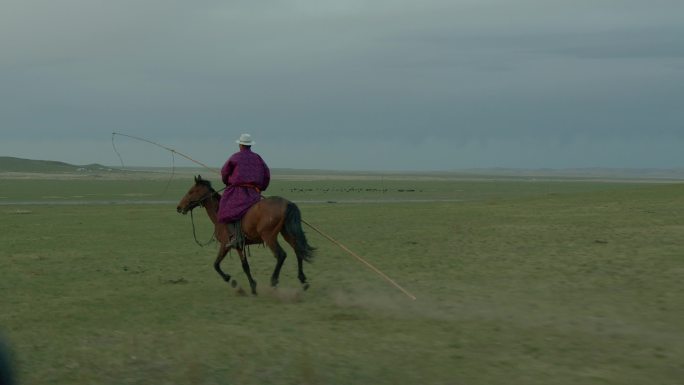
300,260
223,250
246,269
280,255
302,277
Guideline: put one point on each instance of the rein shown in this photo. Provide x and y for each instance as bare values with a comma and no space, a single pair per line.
194,233
200,202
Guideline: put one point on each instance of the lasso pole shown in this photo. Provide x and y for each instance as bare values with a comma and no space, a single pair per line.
168,149
368,264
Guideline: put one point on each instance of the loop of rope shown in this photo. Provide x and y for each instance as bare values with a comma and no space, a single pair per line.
173,159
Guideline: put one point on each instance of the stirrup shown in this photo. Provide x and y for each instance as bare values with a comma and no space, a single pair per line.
233,243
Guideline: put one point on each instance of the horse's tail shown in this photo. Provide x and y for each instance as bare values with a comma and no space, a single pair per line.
293,228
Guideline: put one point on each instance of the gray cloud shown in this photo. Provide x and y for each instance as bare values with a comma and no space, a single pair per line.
490,78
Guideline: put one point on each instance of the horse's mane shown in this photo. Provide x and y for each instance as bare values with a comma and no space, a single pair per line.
204,182
207,184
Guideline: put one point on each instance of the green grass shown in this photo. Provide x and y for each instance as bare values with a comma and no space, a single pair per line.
159,186
517,283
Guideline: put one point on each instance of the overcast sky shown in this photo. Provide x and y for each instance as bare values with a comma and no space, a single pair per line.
347,84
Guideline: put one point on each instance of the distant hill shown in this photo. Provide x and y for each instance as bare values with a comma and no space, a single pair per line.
20,165
593,173
11,164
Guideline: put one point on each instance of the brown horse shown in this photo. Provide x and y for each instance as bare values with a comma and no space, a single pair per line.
261,224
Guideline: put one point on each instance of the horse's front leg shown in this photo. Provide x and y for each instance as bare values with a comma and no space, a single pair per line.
246,269
223,250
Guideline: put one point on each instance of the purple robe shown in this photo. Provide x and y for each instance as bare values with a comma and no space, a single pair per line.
245,174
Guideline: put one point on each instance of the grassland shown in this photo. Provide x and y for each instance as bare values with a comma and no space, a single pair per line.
518,282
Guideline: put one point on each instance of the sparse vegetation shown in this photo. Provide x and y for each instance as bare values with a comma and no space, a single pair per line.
518,282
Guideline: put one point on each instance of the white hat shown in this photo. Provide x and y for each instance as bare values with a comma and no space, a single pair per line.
245,140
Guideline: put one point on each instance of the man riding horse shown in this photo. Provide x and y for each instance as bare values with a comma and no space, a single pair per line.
245,175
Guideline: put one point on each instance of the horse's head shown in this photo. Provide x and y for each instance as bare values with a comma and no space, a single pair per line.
196,196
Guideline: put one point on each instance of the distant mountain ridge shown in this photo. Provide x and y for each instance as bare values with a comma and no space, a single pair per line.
12,164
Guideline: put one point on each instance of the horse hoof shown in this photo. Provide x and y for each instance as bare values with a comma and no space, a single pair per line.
233,284
305,286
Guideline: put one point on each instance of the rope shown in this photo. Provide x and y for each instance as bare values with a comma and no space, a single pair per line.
164,147
173,173
117,151
173,159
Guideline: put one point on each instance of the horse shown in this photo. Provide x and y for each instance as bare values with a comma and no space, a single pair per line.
261,224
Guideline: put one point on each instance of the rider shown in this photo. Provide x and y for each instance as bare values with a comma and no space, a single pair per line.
245,175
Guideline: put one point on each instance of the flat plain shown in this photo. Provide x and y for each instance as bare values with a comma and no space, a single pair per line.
518,281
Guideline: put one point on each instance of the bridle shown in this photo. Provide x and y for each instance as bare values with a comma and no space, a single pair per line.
200,202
